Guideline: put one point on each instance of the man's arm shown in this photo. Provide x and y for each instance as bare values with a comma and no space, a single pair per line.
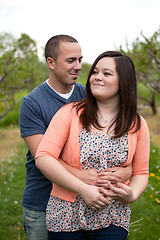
88,176
32,143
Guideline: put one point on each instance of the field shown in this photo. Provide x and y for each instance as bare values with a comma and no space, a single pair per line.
145,218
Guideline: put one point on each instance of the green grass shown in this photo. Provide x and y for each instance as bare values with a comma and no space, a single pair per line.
145,217
12,179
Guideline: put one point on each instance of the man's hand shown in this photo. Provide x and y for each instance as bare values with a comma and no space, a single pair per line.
115,175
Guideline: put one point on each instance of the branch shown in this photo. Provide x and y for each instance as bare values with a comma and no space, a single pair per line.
145,99
3,77
9,108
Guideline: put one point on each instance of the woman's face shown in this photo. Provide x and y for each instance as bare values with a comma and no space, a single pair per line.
104,81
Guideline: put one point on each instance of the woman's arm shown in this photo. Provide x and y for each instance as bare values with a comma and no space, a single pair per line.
56,173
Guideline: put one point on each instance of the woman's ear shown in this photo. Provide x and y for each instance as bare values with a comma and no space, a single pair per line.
50,63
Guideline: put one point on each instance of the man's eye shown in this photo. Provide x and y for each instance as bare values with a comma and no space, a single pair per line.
70,61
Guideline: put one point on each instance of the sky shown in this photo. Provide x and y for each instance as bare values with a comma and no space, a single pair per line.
98,25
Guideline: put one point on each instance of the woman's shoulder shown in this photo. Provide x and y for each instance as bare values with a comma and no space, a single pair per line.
69,110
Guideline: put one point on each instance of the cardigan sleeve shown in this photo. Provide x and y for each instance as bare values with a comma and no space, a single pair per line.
56,134
140,164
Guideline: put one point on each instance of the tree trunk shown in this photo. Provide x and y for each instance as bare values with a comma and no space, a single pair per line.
153,104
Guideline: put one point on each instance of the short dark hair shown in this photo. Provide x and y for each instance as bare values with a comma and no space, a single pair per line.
127,117
52,46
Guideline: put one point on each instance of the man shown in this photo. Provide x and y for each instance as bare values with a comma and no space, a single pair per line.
63,55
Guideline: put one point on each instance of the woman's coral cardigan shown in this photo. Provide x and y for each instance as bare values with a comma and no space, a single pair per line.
61,140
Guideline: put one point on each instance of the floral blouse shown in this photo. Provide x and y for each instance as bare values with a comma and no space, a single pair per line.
98,151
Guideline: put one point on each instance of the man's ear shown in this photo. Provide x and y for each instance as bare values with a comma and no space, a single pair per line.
50,63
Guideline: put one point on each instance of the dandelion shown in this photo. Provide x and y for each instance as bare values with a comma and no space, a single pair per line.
153,150
150,196
158,170
152,174
15,202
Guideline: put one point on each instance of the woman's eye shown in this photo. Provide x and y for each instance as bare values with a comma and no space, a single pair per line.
94,72
107,74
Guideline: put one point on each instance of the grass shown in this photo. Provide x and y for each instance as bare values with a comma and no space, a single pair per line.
12,178
145,217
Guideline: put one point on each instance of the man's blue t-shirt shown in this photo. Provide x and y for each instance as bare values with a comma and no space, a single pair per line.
36,112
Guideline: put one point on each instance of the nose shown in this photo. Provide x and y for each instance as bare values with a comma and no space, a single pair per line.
78,65
98,77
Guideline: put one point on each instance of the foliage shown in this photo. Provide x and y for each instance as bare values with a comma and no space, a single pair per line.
145,53
20,68
84,73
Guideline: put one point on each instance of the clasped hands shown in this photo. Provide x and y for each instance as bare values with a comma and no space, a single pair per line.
108,185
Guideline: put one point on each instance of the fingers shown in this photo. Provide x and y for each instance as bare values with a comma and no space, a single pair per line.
106,176
103,180
101,203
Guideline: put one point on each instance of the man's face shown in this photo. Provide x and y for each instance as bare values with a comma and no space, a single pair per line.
67,67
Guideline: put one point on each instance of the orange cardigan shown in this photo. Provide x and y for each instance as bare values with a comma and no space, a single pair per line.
61,140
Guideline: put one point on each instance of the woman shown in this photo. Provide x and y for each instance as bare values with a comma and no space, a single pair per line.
102,131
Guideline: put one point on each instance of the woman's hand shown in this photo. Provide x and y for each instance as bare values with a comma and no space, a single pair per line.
93,196
128,194
119,192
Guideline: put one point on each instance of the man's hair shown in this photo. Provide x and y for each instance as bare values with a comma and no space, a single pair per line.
52,46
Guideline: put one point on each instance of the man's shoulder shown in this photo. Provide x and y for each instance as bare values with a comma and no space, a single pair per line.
37,92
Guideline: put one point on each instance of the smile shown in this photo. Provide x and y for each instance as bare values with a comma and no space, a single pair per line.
74,74
97,84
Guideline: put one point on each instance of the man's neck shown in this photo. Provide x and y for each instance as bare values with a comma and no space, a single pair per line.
62,89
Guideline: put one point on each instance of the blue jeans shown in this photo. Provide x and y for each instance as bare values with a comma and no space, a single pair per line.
110,233
35,224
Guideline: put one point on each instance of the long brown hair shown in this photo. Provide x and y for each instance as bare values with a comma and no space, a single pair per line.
127,117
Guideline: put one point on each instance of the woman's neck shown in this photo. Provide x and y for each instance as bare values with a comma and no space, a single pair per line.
108,111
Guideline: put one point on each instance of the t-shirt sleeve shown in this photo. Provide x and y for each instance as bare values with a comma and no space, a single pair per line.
56,134
30,118
140,164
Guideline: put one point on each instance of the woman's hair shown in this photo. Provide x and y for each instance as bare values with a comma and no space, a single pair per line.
127,117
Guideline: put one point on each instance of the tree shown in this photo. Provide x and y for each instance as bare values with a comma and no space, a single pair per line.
145,53
19,66
84,72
